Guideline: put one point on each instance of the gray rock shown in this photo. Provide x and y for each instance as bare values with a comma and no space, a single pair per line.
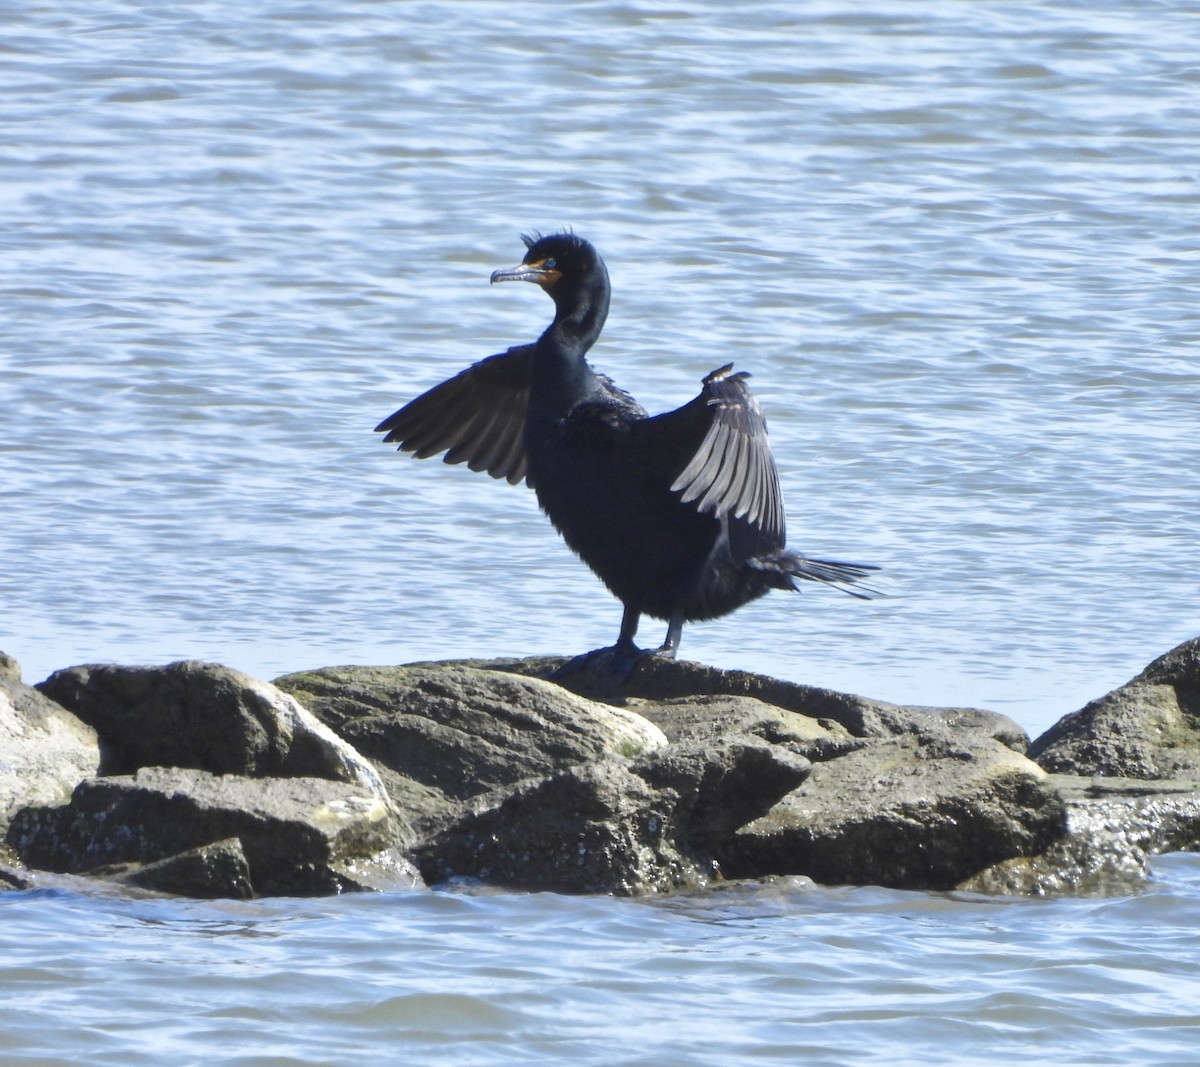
510,774
658,680
716,787
907,812
10,669
1114,827
440,735
219,870
202,716
712,719
511,780
298,836
1148,728
14,878
44,750
593,828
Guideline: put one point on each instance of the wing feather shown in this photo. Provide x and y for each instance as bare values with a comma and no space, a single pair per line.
477,417
732,471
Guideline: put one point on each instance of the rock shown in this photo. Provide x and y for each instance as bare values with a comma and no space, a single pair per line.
205,717
906,812
44,750
511,774
658,680
298,836
14,878
219,870
858,792
1148,728
713,719
440,735
720,787
10,669
211,783
593,828
1114,827
681,775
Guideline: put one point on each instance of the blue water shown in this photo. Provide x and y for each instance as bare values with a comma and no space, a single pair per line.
958,245
781,974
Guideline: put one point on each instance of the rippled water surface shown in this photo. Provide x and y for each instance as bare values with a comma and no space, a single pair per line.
958,245
781,974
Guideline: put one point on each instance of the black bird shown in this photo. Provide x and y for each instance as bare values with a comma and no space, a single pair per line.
679,514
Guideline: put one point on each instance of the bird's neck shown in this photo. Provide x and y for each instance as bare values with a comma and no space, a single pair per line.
562,376
579,318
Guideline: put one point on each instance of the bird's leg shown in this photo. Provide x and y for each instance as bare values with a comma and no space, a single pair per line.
625,652
629,629
674,632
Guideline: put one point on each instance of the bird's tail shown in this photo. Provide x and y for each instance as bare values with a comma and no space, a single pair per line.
788,566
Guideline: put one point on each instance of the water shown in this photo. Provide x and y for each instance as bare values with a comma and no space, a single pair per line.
781,974
957,248
958,245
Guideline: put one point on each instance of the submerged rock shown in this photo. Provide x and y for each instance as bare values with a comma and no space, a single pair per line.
14,878
219,869
1113,828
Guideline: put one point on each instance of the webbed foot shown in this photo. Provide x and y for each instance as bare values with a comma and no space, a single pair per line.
616,661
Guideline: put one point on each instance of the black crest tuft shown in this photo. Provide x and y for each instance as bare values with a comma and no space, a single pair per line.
533,236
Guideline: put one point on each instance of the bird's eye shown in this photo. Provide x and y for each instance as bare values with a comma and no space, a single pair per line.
548,264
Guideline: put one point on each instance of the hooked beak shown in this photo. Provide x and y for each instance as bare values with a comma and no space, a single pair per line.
527,272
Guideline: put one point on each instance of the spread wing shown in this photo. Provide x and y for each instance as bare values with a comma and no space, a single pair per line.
731,472
477,417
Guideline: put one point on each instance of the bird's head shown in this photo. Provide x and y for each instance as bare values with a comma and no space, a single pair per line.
570,270
563,264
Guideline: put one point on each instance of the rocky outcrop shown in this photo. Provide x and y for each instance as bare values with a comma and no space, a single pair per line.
520,783
203,781
1149,728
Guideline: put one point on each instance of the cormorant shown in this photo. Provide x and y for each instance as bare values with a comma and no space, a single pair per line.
679,514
